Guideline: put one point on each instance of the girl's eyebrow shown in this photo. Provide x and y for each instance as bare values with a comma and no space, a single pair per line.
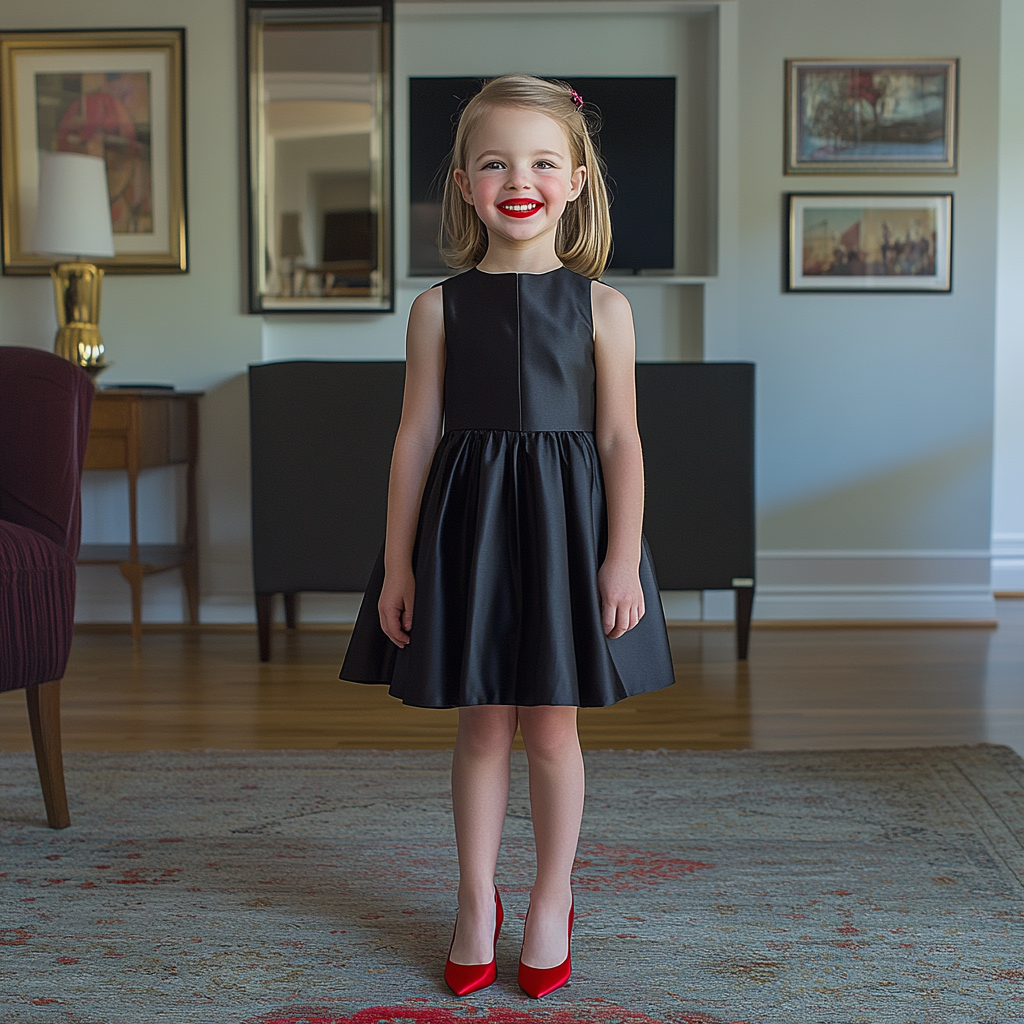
498,152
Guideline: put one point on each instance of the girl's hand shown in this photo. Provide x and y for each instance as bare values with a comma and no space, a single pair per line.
395,606
622,598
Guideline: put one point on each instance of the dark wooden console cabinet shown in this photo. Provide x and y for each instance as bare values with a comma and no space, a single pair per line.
697,428
322,434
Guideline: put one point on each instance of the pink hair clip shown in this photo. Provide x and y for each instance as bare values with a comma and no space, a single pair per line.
577,99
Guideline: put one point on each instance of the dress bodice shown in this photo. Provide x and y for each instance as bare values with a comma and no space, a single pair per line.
519,351
513,527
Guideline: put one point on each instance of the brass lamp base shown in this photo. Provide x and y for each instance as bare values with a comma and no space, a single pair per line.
77,287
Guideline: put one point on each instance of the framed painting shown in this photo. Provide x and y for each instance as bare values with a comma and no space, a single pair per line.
871,116
866,242
117,94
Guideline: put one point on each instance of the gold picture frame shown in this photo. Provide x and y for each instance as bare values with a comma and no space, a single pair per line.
872,116
116,93
870,242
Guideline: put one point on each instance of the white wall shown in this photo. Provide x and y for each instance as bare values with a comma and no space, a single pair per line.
874,412
186,329
1008,463
431,40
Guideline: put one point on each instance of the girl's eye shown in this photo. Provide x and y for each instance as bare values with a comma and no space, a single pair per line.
493,165
544,164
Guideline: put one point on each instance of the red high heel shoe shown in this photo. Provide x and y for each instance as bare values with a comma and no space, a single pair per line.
463,979
542,981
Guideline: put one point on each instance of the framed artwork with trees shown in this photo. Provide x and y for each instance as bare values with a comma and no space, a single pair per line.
874,116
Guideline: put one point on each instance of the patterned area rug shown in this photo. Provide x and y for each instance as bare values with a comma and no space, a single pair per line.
288,887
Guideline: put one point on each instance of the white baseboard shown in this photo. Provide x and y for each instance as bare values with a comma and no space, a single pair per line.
861,584
234,609
857,602
1008,575
791,585
681,605
1008,561
220,609
770,602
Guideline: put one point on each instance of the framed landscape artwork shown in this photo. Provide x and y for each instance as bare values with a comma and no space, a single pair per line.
843,242
116,94
871,116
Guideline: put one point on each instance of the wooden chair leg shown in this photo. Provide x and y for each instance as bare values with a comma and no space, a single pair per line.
133,573
289,610
744,610
264,617
190,577
44,717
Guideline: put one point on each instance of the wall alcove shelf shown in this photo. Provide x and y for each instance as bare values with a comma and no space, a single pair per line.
133,429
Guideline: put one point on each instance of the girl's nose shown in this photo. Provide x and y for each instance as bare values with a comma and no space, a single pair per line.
517,180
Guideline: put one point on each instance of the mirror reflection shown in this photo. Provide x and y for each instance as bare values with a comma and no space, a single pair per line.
319,132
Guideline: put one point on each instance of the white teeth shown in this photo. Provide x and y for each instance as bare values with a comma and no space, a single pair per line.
520,207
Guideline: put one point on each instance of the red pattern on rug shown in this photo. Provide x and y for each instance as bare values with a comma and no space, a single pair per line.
627,868
595,1013
711,888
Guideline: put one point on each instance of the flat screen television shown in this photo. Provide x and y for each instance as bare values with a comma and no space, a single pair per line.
350,236
637,140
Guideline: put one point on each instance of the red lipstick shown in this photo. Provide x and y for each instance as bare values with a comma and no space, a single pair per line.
520,207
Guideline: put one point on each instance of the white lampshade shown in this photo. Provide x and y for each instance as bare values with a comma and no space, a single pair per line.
73,218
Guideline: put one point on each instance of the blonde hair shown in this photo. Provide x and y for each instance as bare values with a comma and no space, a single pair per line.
583,240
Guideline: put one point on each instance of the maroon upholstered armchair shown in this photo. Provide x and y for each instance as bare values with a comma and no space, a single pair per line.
45,403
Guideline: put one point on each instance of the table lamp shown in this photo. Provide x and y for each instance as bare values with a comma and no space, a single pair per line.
290,249
73,219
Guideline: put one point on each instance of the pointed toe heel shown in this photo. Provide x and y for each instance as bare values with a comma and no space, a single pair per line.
463,979
538,982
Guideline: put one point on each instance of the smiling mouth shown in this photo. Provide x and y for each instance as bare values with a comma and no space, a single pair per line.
520,207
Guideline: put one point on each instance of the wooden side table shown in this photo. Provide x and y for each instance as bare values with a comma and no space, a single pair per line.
135,429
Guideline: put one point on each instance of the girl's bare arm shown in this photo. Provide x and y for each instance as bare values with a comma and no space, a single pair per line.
618,444
418,435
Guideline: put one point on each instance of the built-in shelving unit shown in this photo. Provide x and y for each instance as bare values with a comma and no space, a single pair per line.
688,314
631,38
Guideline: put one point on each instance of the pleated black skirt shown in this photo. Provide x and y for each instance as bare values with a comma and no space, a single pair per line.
511,533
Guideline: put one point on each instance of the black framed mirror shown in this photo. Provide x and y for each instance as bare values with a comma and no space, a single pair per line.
320,170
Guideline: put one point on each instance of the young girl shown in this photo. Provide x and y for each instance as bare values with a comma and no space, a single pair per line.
516,534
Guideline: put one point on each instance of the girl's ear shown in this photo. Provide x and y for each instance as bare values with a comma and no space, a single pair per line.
462,180
576,182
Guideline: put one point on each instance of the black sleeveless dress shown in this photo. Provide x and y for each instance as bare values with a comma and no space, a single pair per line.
513,527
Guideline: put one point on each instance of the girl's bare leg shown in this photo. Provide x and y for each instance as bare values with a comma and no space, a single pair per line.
480,770
556,801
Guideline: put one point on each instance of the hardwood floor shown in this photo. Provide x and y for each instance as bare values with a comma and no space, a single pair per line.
802,689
